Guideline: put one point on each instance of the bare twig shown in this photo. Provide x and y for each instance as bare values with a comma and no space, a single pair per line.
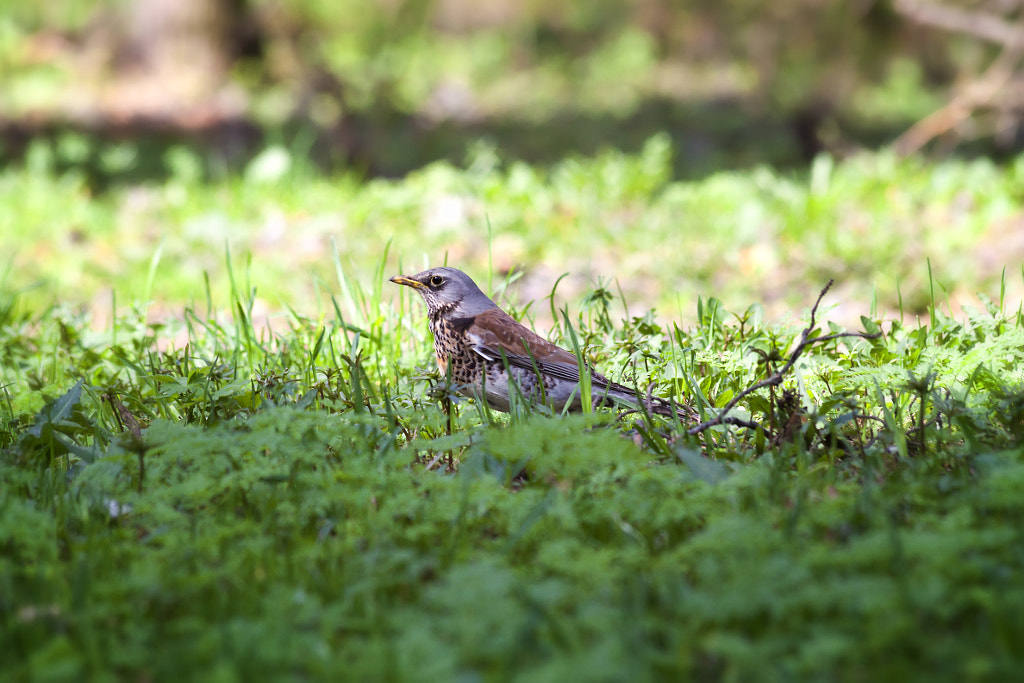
777,377
924,425
992,90
865,416
987,27
987,91
749,424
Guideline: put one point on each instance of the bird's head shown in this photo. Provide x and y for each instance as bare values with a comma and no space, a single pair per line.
447,291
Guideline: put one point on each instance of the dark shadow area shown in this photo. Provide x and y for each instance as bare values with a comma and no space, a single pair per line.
706,137
789,75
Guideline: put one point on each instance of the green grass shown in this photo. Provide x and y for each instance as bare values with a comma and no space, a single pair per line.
226,492
871,223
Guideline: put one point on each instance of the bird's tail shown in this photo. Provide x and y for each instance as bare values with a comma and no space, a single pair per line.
651,404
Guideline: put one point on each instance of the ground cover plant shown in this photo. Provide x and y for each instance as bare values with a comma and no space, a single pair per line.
220,494
872,222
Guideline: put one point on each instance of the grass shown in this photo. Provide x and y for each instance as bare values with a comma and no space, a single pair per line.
229,493
871,223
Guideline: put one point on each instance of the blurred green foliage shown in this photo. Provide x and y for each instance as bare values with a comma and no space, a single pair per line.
233,504
388,86
873,222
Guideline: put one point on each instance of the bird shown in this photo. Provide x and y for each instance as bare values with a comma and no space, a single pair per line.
481,348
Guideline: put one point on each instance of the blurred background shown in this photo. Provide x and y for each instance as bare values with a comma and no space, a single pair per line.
111,99
387,86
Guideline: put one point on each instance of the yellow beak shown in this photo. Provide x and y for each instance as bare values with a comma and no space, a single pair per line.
408,281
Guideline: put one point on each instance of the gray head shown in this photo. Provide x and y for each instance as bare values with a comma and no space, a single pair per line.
447,291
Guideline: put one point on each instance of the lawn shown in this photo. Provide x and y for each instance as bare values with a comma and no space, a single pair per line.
227,454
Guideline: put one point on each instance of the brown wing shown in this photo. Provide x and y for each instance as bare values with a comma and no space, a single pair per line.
495,332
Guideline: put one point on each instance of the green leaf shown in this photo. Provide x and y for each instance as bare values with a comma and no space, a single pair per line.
59,410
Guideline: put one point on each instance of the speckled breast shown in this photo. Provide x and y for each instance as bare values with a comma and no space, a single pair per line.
454,354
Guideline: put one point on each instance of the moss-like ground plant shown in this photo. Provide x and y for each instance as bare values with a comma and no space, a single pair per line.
215,500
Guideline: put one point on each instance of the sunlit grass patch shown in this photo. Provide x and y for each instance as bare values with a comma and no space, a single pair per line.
266,491
870,222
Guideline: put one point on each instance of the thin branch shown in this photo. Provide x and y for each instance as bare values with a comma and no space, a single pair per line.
991,90
984,92
777,377
865,416
987,27
749,424
925,425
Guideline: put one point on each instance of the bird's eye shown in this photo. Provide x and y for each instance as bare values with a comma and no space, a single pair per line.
436,281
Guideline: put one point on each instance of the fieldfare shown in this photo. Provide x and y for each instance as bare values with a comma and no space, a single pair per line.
481,347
